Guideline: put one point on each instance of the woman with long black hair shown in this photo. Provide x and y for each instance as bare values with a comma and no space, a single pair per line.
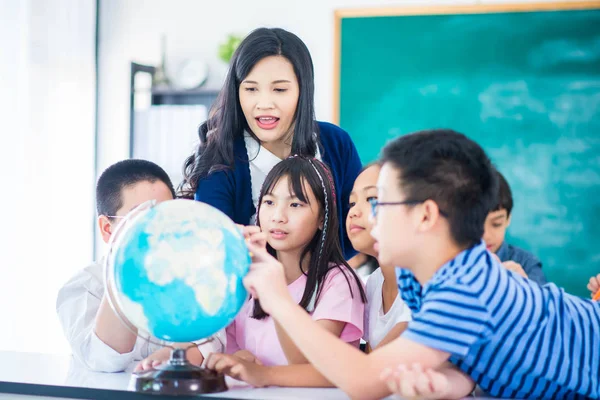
264,114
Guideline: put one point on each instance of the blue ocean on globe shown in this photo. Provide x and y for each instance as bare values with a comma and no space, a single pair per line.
178,271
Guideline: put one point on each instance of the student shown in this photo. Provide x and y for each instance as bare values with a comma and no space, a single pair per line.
298,213
386,315
97,336
513,337
513,258
264,113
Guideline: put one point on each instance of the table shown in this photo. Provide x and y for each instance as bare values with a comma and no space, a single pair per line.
34,376
52,376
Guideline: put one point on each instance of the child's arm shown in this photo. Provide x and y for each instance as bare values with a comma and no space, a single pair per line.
394,333
354,372
347,367
297,375
109,328
415,382
291,351
78,304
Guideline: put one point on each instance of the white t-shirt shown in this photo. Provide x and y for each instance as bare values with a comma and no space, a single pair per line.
78,303
262,162
377,325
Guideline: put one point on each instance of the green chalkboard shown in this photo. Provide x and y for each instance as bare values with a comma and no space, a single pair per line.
525,85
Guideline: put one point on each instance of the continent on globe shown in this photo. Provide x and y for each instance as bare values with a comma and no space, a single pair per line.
176,270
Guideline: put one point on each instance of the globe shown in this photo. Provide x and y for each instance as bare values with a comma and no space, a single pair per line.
175,270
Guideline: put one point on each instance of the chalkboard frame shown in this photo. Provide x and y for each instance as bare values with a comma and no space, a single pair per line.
343,13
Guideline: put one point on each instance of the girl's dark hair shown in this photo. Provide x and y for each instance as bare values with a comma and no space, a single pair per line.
226,121
324,249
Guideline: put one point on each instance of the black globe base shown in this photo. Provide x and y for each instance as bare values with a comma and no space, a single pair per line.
179,378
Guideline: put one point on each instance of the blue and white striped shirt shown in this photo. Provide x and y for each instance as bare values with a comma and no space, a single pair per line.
514,338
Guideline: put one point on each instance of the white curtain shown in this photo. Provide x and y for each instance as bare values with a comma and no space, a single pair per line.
47,163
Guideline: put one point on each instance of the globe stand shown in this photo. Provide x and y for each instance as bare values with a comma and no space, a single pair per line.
179,378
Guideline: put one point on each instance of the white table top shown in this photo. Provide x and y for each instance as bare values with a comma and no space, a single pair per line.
63,377
32,376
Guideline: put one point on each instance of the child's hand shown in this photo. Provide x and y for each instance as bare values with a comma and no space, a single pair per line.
253,234
414,382
594,284
515,267
193,354
247,356
511,266
266,280
154,360
238,368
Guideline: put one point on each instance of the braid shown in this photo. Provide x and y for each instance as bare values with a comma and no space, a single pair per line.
325,223
329,178
323,186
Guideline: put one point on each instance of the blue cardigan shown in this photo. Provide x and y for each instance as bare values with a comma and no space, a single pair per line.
230,190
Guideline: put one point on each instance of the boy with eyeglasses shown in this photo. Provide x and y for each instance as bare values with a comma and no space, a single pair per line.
472,318
97,336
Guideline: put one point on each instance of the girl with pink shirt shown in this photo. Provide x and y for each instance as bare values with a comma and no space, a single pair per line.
297,212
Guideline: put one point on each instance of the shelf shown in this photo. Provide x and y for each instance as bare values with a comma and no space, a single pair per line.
164,96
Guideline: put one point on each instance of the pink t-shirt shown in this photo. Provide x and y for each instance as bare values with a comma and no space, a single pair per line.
336,302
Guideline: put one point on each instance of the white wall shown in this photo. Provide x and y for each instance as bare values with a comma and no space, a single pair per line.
46,163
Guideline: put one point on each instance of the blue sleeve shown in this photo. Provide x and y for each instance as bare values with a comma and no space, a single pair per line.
533,268
352,171
530,263
451,319
217,190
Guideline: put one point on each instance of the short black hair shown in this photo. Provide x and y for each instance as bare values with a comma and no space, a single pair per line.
450,169
504,200
122,174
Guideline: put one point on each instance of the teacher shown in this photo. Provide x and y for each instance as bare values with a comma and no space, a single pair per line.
263,114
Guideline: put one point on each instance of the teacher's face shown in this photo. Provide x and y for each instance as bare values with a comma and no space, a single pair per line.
268,97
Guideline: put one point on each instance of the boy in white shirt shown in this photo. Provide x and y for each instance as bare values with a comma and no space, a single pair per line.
97,336
386,314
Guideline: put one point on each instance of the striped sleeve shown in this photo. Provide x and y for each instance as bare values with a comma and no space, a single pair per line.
451,319
409,289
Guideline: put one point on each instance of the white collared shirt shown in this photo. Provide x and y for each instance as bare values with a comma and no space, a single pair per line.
262,162
78,303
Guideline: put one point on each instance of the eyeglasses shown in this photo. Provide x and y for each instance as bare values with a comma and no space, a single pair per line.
140,207
375,204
